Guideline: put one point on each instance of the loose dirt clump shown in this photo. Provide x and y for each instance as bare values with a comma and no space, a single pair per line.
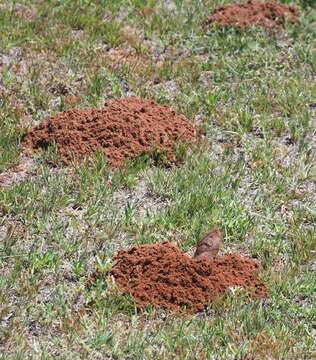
163,276
253,13
124,128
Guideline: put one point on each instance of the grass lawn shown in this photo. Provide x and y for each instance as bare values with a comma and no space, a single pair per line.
252,93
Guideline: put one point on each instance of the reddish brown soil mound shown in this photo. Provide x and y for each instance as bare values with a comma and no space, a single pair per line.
163,276
124,128
253,13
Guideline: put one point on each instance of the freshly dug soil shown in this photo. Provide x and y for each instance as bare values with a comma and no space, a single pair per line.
124,128
165,277
254,13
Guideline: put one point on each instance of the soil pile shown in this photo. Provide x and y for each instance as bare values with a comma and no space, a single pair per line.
163,276
124,128
253,13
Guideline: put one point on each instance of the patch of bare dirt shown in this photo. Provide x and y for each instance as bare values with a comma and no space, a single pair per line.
140,200
20,172
117,57
24,12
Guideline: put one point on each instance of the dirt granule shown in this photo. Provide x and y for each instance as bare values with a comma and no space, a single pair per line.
163,276
254,13
124,128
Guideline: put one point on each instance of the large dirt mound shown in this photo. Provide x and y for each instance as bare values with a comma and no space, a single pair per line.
253,13
163,276
124,128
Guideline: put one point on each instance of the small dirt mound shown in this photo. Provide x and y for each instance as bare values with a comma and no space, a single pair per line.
165,277
124,128
253,13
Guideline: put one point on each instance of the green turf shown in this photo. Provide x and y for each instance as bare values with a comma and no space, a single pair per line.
252,93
